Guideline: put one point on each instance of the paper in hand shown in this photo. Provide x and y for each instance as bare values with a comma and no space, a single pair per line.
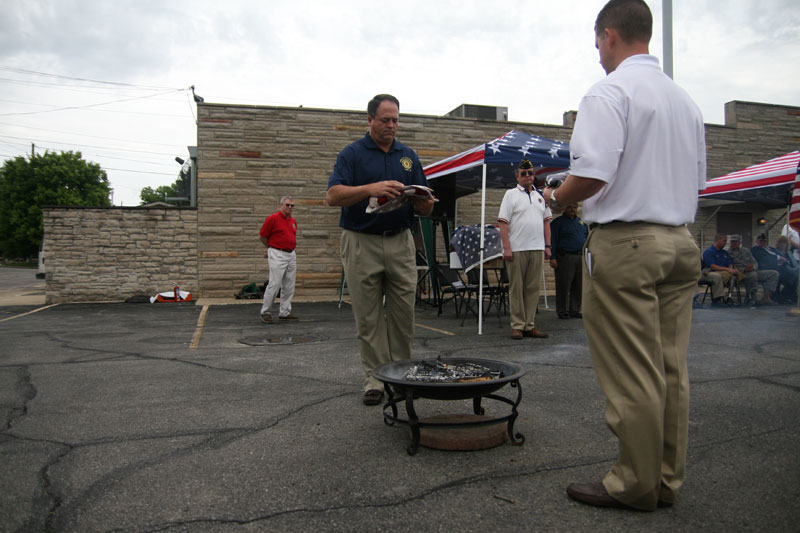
384,204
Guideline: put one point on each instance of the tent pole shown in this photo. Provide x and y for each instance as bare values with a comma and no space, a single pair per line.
480,272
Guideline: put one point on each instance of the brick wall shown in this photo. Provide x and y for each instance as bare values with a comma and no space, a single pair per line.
110,254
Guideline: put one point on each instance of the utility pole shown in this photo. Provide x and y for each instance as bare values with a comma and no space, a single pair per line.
33,150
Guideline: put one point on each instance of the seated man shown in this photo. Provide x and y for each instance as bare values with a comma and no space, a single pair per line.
744,262
716,259
717,287
769,259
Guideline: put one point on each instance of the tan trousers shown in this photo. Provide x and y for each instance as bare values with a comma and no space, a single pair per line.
375,266
637,310
524,277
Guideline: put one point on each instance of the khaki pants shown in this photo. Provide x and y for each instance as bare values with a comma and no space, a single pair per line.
374,267
524,277
637,310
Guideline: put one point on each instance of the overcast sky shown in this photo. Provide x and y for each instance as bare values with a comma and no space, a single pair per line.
536,58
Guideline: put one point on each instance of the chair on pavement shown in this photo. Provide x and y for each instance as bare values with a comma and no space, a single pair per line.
495,292
450,287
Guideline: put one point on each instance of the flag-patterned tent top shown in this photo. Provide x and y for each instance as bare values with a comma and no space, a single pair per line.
766,183
501,157
794,210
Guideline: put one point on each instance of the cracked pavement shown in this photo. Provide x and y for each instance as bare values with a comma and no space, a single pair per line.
111,421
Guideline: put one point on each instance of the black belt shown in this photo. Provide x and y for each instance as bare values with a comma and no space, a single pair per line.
387,233
595,224
282,249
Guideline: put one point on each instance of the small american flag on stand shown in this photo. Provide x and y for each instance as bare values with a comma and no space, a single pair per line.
467,243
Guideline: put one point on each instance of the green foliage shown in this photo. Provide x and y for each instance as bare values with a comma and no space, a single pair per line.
178,189
49,179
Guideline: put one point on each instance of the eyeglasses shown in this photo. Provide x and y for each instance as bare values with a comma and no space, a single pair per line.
289,205
526,173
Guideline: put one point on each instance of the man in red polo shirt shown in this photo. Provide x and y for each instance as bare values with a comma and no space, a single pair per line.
279,236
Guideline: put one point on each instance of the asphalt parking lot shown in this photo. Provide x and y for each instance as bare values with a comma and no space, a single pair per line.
183,417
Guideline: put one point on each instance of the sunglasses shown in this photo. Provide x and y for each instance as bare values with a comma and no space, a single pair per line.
526,173
289,205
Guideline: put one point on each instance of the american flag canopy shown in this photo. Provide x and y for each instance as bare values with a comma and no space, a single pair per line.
501,156
794,211
766,183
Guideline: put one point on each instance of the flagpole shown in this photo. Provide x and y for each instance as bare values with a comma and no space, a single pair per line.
480,271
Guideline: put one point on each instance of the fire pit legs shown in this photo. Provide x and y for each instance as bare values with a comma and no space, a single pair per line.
413,422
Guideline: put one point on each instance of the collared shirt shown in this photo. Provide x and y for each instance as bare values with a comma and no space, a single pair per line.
364,162
525,214
642,134
567,234
741,258
712,256
280,232
766,256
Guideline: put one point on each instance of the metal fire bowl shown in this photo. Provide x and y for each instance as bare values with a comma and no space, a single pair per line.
392,373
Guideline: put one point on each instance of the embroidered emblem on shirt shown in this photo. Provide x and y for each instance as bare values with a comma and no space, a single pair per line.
540,200
406,163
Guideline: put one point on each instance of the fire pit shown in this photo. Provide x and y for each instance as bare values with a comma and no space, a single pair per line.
448,379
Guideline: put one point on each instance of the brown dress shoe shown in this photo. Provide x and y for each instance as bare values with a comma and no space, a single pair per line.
536,333
594,494
516,334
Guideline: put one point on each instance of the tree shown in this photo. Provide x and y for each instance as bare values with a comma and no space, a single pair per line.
58,179
179,189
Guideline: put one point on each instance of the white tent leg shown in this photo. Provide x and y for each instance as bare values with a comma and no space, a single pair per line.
480,272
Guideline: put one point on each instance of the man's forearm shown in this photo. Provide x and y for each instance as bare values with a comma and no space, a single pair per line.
345,196
575,189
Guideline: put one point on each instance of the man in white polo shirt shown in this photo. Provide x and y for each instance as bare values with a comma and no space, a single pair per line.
524,221
638,159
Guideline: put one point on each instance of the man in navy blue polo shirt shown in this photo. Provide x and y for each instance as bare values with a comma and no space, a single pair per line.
718,260
378,249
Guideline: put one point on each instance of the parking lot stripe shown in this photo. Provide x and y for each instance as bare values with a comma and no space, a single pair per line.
29,312
198,331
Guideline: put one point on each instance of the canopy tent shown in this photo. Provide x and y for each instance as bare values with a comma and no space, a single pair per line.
464,173
768,183
492,165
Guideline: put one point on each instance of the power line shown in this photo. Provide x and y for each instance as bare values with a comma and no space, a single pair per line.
85,135
116,83
93,146
89,105
140,171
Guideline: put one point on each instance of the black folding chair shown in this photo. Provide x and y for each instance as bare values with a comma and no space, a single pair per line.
450,287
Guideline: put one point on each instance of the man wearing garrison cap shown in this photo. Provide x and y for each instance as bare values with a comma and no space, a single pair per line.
524,221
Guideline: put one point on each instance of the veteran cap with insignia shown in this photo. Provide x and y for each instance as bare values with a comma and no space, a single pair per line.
525,165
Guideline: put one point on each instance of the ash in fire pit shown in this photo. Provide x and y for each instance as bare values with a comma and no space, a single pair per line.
442,372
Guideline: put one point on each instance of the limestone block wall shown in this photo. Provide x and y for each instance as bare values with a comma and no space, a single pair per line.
111,254
251,156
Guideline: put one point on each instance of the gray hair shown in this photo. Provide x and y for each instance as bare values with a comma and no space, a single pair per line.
283,199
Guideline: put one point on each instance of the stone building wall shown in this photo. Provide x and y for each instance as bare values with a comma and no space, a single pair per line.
111,254
251,156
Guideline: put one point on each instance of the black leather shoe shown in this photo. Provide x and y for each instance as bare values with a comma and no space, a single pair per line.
563,315
575,315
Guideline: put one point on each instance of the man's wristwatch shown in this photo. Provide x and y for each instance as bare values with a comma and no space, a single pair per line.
553,200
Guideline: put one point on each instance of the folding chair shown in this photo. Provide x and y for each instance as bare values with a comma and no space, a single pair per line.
450,287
